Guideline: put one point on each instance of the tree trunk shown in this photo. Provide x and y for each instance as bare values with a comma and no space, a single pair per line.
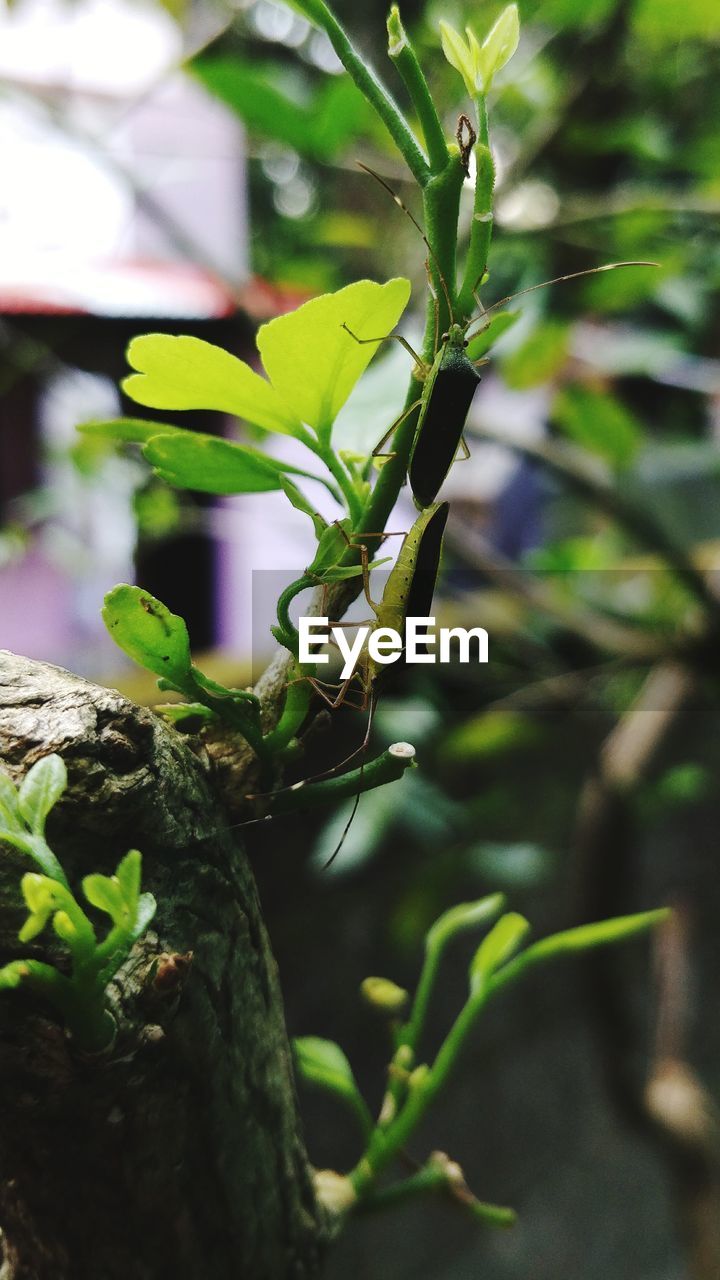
177,1153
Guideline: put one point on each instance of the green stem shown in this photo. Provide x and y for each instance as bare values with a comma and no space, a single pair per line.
385,768
370,86
441,207
434,1177
353,501
290,637
482,223
401,52
297,704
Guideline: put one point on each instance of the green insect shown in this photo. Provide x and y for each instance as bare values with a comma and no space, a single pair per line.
407,593
450,381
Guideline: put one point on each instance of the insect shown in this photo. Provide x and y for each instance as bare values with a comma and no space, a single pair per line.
407,593
450,381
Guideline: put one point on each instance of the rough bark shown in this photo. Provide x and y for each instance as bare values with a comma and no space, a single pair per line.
177,1153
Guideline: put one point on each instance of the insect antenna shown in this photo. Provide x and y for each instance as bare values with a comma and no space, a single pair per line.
356,802
574,275
418,228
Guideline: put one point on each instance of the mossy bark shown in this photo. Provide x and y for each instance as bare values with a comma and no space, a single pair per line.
177,1153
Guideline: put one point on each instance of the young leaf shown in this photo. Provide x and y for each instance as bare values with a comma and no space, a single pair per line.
106,893
128,876
313,362
38,850
322,1062
209,464
9,804
587,936
464,916
40,789
42,897
189,373
148,632
499,946
12,974
497,48
132,430
301,503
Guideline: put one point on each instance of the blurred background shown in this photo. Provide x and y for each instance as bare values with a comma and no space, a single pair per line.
192,167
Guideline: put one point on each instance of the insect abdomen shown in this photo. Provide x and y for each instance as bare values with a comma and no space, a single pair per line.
441,425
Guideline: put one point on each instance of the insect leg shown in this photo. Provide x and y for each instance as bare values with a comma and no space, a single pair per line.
377,451
392,337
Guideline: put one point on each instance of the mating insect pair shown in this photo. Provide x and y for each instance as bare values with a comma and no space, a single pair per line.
449,382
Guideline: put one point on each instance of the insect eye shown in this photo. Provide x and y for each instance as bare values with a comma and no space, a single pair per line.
466,343
444,337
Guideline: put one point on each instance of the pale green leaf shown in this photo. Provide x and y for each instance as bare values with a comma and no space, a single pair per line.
40,789
37,848
188,373
312,362
500,945
128,876
588,936
148,632
9,804
497,48
458,54
209,464
131,430
323,1063
466,915
12,974
105,893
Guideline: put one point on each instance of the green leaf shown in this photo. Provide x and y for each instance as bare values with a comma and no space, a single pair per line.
477,63
209,464
500,945
301,503
497,325
42,896
40,789
312,361
586,936
332,542
148,632
497,48
317,124
600,423
188,373
106,893
466,915
540,357
9,804
129,875
132,430
323,1063
12,974
38,850
459,54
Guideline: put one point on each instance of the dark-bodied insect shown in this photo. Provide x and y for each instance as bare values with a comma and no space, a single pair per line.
449,382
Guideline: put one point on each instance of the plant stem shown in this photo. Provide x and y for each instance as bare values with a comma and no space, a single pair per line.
371,87
385,768
401,51
482,224
345,483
